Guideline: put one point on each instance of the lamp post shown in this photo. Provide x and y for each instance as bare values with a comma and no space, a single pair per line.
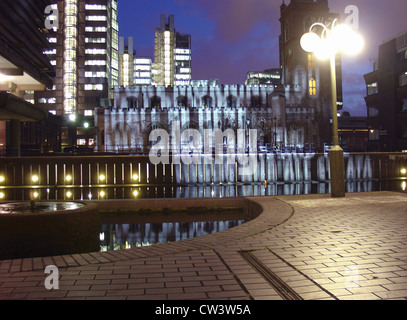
340,38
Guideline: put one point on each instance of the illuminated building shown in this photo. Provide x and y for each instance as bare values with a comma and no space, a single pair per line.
126,62
269,76
386,100
272,110
84,51
142,70
172,55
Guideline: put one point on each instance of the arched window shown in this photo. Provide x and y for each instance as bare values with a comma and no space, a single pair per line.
286,32
181,102
312,87
156,102
255,102
207,102
231,102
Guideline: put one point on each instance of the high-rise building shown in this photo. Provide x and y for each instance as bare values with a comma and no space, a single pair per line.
172,55
84,51
23,70
143,70
386,99
126,62
268,76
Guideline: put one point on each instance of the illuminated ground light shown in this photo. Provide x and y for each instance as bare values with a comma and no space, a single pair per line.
102,194
34,178
403,171
102,177
2,195
68,178
404,186
135,193
35,195
2,179
135,177
69,194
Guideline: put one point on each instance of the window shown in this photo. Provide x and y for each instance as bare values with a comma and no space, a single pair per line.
95,62
207,102
95,74
94,87
181,101
88,113
312,87
286,32
95,40
155,102
96,18
231,102
95,51
95,7
403,79
372,88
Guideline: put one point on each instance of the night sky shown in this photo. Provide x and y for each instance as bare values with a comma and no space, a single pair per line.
233,37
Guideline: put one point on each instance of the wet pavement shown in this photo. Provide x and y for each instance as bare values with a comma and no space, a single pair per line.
308,247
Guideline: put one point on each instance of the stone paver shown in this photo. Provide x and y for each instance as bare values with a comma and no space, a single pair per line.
319,248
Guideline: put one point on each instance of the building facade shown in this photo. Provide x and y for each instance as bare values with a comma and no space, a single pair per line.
386,99
275,112
23,71
84,51
296,113
126,62
172,55
302,68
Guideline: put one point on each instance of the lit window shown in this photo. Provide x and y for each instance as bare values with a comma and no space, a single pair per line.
94,87
95,51
372,88
96,18
312,87
95,62
88,113
95,7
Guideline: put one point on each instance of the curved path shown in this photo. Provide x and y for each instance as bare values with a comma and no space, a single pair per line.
299,247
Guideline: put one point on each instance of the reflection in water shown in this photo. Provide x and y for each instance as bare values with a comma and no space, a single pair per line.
202,190
126,236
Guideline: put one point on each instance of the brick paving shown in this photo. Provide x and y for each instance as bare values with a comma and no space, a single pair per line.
314,246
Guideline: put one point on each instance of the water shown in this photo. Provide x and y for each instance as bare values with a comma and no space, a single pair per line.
127,236
38,207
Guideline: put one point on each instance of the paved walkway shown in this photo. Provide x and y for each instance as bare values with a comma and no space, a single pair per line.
300,247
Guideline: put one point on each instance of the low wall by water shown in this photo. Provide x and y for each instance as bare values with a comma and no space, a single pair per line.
250,209
31,234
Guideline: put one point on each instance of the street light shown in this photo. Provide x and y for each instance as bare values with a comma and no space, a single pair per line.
339,39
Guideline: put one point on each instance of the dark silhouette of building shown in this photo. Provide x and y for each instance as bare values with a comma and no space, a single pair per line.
300,68
386,100
23,70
